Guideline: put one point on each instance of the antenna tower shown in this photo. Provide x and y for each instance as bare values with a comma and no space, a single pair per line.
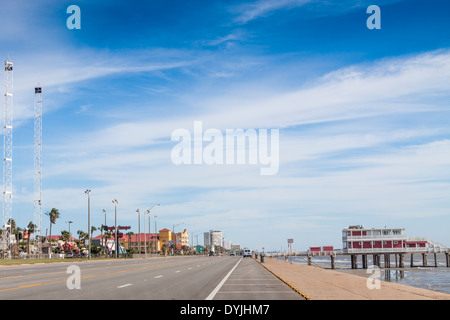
7,156
37,168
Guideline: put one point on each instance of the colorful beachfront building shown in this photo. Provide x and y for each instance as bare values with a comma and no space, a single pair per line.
357,239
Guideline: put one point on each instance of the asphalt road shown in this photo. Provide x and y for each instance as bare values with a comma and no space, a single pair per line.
178,278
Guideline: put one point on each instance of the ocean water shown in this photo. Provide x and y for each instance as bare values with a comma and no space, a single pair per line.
430,278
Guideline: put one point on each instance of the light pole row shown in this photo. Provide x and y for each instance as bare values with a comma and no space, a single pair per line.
148,211
88,192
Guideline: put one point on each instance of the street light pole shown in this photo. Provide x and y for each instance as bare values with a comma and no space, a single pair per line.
103,240
145,240
88,192
139,229
115,227
149,230
156,234
149,233
70,236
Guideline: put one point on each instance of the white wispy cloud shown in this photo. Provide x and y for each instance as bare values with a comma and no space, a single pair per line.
250,11
319,173
247,12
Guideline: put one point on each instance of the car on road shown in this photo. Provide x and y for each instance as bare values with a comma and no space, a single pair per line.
247,252
211,253
69,255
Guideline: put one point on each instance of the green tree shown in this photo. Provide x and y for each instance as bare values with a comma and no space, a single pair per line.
129,234
107,235
31,229
65,236
82,236
53,215
93,229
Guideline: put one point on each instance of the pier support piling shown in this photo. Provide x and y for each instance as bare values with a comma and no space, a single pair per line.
364,261
424,259
387,261
402,260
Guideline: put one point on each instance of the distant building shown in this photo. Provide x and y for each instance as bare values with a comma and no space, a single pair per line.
226,244
182,239
213,237
206,239
235,247
165,236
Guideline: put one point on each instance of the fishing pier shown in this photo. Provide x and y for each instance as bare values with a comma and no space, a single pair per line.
388,248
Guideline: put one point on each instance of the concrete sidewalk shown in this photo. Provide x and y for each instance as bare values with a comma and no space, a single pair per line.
315,283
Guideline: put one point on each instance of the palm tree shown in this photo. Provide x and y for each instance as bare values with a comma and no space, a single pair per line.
129,234
107,235
53,215
81,237
101,237
93,229
65,236
31,229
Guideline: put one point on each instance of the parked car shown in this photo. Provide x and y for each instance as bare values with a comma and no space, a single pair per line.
69,255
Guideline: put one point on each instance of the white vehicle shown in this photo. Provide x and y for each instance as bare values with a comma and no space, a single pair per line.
247,252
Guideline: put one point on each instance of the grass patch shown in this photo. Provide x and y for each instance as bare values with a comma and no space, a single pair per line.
10,262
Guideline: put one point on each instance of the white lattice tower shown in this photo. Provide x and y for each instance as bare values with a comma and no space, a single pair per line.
38,167
7,155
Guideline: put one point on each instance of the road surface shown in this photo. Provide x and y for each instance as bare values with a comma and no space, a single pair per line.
169,278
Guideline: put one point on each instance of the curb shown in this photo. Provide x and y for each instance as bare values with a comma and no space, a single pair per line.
290,285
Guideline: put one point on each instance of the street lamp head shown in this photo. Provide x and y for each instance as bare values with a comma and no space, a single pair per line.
104,211
115,201
87,191
137,210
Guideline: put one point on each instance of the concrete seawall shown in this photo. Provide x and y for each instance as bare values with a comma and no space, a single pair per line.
315,283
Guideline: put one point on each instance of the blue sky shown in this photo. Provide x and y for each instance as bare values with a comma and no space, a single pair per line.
363,114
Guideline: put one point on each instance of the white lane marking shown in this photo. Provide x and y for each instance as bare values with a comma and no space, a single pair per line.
158,277
125,285
189,268
213,293
177,271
